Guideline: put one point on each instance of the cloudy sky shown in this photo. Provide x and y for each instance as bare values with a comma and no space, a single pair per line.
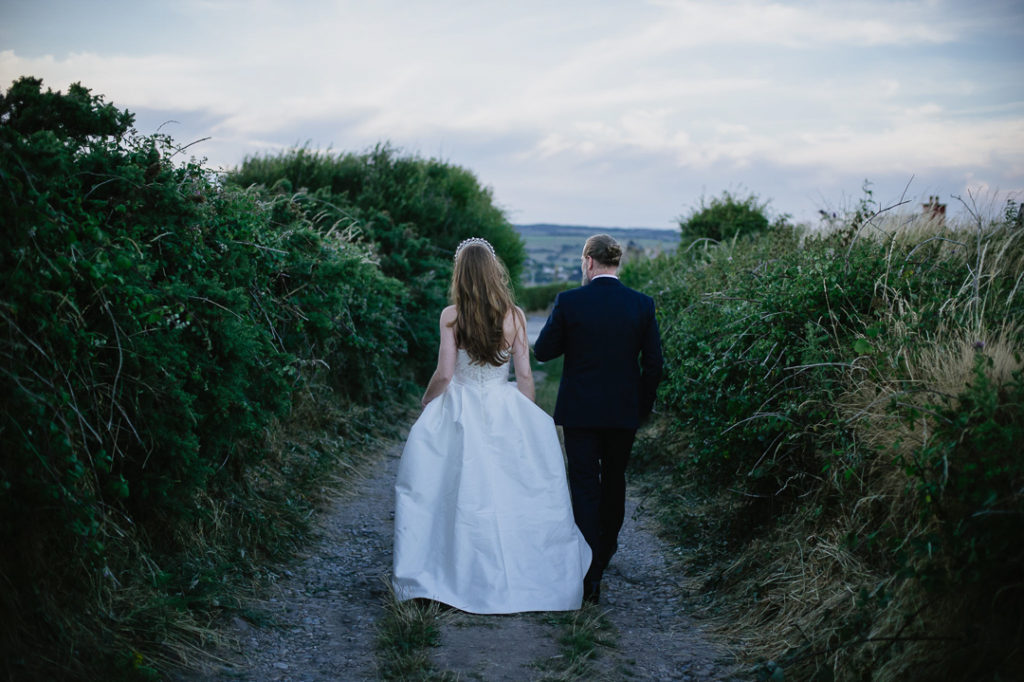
598,112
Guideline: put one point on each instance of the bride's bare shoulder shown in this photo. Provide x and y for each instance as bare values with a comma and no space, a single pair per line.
514,313
448,314
514,319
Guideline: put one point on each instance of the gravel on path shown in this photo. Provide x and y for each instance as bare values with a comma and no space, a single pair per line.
324,610
645,600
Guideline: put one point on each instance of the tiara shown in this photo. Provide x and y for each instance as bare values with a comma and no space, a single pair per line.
471,242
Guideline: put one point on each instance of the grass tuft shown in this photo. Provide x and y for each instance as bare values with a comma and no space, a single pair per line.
405,636
583,634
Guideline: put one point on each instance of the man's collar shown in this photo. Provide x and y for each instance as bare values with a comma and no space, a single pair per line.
605,275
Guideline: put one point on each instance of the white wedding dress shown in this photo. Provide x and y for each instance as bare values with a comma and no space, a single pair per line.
483,520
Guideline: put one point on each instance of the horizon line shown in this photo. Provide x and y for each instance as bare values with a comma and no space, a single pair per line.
595,227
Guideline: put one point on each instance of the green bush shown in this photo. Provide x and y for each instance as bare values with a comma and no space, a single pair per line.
971,476
542,296
752,338
726,217
412,212
156,328
867,480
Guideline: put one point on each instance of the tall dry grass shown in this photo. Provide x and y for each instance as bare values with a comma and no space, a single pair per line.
849,586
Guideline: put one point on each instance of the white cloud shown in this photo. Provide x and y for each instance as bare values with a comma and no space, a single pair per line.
157,81
687,24
713,88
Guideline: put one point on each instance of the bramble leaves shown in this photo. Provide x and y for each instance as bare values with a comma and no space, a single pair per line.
159,330
860,383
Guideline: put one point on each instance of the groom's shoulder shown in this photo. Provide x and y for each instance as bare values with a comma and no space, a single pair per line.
641,300
570,295
642,295
630,291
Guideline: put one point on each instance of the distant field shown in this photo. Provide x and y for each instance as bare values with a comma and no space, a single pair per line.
553,251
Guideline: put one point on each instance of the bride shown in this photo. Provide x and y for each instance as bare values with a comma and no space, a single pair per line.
483,520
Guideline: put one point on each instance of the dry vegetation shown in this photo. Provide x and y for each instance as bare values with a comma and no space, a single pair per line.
887,545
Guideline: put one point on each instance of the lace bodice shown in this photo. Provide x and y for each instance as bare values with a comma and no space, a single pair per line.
467,372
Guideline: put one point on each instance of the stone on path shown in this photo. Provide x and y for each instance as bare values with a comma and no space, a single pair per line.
495,648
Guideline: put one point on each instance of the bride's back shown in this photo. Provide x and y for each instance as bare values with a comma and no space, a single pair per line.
473,373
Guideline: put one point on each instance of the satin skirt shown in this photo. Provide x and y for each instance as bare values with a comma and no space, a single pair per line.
483,518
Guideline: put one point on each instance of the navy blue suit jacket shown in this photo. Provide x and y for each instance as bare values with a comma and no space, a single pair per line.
609,336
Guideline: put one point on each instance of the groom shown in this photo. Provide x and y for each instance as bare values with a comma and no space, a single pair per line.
609,336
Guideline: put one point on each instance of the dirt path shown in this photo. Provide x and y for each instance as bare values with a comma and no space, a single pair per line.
322,613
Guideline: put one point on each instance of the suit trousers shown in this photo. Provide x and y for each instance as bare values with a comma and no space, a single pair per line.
597,482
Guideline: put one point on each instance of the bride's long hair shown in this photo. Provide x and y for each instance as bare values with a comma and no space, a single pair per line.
482,297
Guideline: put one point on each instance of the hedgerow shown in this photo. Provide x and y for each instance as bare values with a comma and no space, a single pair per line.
184,361
842,419
413,212
541,296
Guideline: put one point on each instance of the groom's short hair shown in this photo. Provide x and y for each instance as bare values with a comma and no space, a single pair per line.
604,249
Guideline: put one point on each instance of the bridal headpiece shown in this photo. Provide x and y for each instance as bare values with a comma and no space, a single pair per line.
470,242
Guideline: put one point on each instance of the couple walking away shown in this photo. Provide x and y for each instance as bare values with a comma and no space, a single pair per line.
484,518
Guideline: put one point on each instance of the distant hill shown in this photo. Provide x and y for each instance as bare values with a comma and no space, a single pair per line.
586,230
553,251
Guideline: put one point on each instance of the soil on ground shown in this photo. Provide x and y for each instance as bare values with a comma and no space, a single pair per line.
318,622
